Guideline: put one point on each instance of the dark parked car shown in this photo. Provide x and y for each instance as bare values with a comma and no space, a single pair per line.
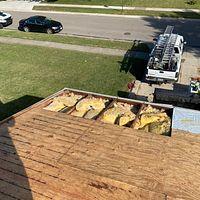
40,24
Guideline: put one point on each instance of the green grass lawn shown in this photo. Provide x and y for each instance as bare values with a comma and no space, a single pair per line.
39,72
142,3
67,39
119,12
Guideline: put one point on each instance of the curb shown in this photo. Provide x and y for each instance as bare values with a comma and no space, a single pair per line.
82,36
120,7
113,15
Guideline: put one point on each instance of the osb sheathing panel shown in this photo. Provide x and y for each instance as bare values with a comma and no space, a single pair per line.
49,155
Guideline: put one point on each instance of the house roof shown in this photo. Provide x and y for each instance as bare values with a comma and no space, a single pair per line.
53,155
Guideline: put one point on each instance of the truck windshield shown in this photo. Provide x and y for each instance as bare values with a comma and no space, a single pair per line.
2,14
176,50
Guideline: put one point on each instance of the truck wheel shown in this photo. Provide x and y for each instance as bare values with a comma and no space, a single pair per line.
1,26
49,31
26,29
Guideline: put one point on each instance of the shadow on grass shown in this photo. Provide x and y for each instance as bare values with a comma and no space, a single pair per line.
189,14
17,105
135,60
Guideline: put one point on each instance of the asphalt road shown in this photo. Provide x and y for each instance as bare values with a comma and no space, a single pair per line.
118,27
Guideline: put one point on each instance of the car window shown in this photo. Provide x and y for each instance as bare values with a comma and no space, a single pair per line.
38,21
47,21
41,18
2,14
31,21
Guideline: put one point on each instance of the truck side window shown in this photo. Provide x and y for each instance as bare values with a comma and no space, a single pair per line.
176,50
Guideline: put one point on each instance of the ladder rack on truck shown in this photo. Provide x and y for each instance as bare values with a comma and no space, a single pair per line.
169,49
165,58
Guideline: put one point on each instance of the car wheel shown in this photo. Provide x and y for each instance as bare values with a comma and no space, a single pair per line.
26,29
49,31
1,26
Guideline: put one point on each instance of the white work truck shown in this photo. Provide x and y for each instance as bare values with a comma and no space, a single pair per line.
5,19
165,59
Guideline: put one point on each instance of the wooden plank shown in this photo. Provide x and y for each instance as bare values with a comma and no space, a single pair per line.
28,155
99,187
77,158
140,167
17,164
56,146
182,178
36,130
22,183
10,190
59,118
6,196
66,183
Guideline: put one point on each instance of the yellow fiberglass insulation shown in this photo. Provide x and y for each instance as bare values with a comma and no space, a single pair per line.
55,106
161,128
60,102
91,103
153,120
91,113
120,113
89,107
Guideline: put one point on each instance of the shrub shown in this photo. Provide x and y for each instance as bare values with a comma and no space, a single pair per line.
191,2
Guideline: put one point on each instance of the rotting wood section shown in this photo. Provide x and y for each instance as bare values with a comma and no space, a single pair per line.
49,155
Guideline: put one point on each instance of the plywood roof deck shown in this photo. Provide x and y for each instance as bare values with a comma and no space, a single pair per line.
47,155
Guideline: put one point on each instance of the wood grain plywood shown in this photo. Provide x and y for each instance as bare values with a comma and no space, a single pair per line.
49,155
